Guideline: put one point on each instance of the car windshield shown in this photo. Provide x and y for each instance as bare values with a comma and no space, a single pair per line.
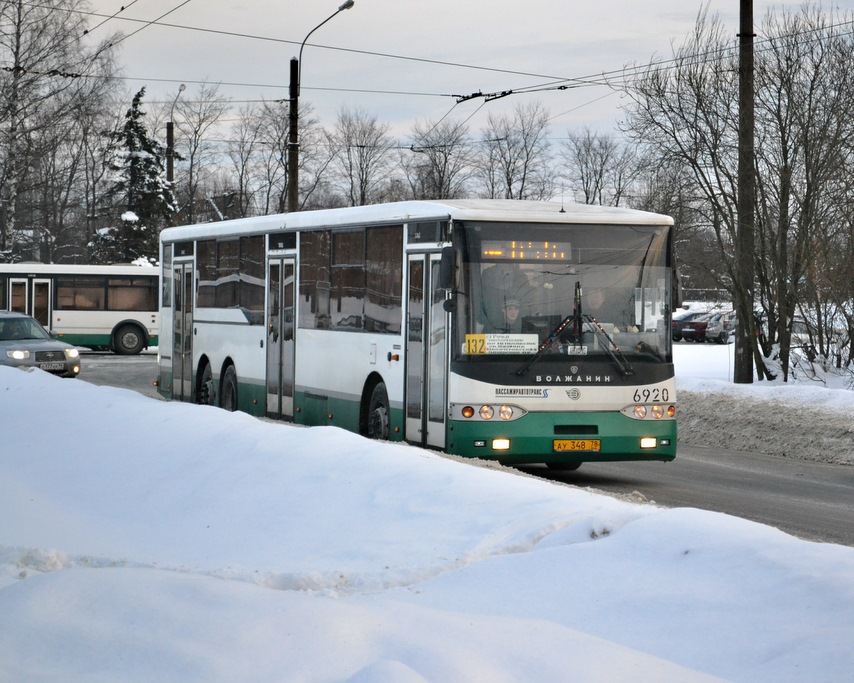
20,329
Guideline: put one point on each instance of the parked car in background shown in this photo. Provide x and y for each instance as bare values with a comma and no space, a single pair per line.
720,327
26,344
695,330
683,318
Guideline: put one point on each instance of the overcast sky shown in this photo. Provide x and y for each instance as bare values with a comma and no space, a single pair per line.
405,61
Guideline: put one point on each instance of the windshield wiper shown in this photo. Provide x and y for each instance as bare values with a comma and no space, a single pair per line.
610,347
555,333
574,317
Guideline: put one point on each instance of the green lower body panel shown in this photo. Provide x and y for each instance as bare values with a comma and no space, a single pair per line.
98,341
252,398
314,410
89,341
564,438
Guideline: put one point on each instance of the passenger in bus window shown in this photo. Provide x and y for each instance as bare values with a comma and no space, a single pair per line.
500,283
512,321
595,304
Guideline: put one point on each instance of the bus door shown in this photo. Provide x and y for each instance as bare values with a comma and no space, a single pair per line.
33,298
182,330
280,338
426,353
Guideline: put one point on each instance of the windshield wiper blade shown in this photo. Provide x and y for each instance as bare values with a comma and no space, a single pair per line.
610,347
555,333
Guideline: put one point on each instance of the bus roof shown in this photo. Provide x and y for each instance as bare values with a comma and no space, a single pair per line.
36,268
510,210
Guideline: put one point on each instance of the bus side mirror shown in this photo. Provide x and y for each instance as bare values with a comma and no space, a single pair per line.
446,269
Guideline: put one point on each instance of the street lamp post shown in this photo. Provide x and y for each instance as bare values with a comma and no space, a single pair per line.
293,114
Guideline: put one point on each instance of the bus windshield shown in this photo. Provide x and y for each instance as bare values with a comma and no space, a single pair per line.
525,290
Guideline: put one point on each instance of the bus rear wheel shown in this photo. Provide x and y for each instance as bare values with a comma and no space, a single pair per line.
228,390
206,396
128,340
378,414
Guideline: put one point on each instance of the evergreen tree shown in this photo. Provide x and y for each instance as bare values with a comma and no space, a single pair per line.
141,196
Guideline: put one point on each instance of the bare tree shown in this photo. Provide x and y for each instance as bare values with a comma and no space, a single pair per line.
362,160
244,149
804,90
681,111
600,169
195,138
41,95
515,158
438,161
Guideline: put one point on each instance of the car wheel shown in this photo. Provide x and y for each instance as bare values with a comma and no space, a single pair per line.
228,391
378,414
128,340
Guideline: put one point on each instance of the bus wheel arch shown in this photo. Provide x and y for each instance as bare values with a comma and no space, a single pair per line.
228,387
129,338
205,387
376,412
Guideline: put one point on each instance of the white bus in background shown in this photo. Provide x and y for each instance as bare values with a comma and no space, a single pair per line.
98,307
388,320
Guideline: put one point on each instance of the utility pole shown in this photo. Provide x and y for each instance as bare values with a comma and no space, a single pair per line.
293,114
745,339
293,137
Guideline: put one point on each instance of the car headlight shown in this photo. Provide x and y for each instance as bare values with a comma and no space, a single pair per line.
18,354
72,353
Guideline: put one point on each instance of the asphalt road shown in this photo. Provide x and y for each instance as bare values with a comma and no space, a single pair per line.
810,500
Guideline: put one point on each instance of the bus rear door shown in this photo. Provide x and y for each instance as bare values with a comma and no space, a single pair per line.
33,297
182,331
280,338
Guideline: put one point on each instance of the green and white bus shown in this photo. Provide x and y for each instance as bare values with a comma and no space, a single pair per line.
395,321
98,307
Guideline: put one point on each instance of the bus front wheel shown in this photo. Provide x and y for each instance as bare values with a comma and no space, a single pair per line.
129,341
563,466
378,414
228,390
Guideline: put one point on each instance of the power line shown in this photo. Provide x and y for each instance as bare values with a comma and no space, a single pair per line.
614,79
149,23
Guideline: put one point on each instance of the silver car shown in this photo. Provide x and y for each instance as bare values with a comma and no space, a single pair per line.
26,344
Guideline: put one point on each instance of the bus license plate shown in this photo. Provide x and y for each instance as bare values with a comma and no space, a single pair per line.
577,445
52,366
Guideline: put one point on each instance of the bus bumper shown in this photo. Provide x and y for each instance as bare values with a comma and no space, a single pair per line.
564,438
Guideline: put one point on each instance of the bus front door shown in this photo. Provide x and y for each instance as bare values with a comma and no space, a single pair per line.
426,353
280,338
182,331
33,298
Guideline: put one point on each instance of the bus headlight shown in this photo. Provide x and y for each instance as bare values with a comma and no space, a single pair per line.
501,444
505,412
640,412
648,442
657,411
487,412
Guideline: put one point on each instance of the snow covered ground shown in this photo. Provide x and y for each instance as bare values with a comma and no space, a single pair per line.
142,540
811,418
